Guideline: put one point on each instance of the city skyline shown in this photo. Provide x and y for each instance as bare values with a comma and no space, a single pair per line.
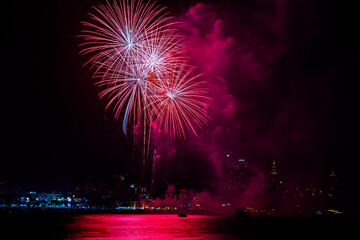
267,195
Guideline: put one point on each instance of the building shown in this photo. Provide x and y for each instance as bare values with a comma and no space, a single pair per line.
333,187
4,188
236,173
274,173
275,190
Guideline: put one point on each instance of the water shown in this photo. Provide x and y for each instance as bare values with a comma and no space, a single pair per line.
111,227
72,226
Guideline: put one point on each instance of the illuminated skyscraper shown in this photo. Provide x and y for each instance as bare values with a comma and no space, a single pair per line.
333,186
236,173
274,189
273,173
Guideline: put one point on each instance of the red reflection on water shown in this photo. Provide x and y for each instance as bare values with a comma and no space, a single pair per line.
142,227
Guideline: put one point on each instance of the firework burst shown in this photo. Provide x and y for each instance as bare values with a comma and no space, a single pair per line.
119,32
130,89
180,102
142,67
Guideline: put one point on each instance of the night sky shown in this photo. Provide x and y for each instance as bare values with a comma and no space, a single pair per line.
282,76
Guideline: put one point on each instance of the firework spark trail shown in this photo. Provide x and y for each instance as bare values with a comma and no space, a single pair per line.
118,39
130,88
161,52
119,32
180,101
142,66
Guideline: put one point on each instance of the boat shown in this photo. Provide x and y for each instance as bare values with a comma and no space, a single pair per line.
241,213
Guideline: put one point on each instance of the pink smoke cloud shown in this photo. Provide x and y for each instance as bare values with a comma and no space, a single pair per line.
237,61
230,62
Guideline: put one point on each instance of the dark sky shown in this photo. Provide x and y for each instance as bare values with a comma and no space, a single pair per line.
289,71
